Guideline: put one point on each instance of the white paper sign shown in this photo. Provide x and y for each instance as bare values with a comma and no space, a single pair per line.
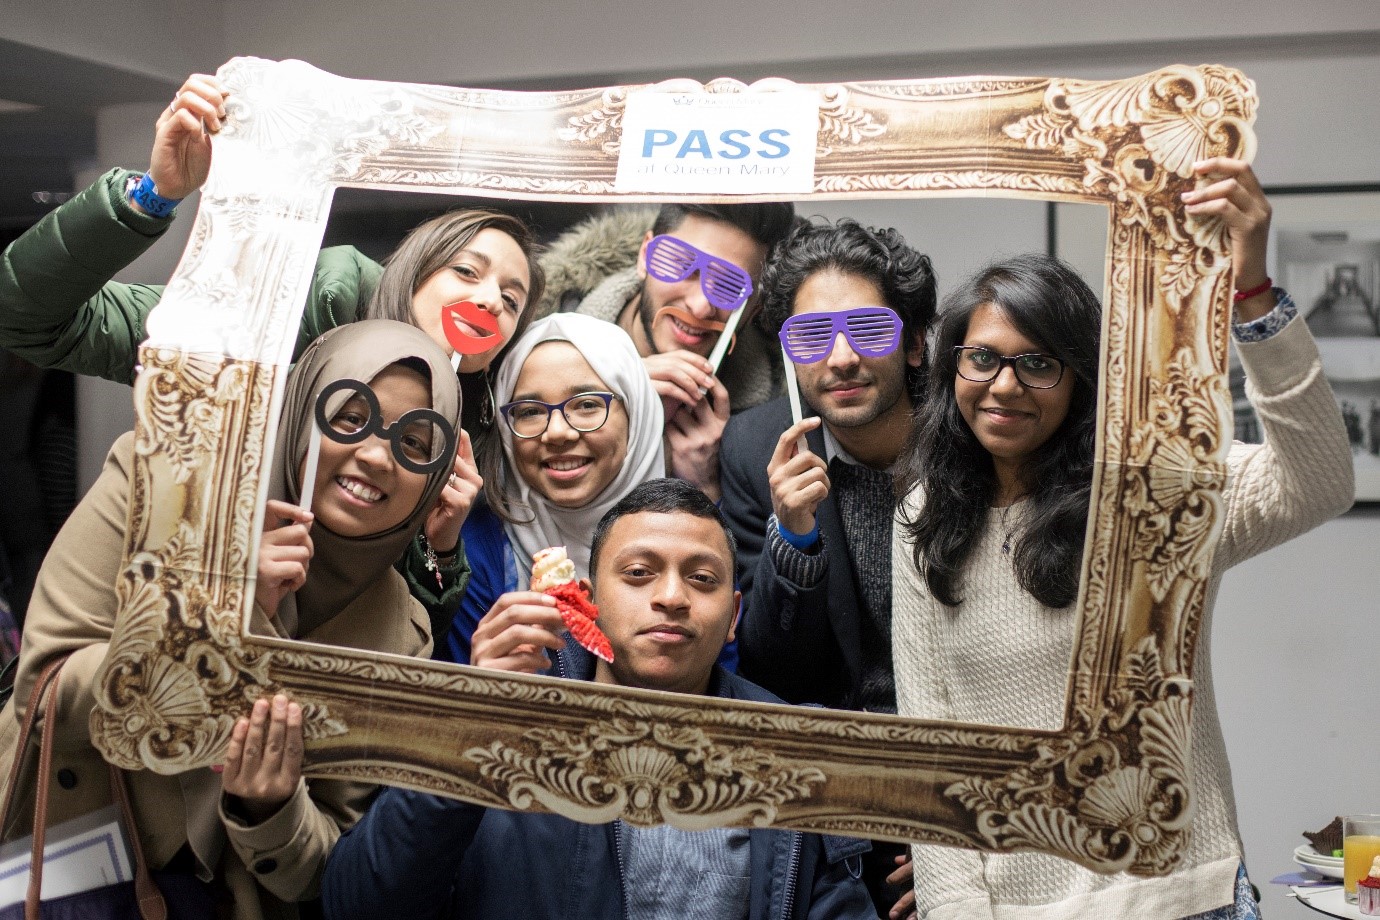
82,854
719,143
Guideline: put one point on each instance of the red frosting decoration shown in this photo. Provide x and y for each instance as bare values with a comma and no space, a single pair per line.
579,614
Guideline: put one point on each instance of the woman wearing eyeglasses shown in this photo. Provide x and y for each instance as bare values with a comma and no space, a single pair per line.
989,544
581,426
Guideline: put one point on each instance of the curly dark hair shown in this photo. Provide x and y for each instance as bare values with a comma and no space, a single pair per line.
905,276
1051,305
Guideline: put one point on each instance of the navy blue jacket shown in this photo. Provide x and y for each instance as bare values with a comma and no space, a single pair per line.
421,856
803,644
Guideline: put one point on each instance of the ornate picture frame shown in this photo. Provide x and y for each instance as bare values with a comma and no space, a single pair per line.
1110,790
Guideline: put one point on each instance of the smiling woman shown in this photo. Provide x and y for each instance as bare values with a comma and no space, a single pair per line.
569,454
567,460
360,488
325,577
989,543
490,272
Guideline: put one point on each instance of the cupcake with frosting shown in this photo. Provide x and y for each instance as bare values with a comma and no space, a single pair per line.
1368,891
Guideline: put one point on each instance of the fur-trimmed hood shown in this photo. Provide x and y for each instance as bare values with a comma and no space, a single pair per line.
582,257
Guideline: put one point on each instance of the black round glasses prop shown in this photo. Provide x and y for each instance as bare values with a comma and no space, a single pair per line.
420,439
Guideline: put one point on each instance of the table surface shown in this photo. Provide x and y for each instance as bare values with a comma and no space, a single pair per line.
1330,901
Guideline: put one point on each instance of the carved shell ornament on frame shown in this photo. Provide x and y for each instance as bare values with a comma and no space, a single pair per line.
326,134
179,671
1171,475
1110,791
645,773
1176,117
1113,793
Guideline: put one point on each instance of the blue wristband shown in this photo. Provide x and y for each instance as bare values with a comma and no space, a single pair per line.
154,204
801,542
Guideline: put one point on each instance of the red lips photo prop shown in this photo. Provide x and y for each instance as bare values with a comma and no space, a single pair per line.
476,317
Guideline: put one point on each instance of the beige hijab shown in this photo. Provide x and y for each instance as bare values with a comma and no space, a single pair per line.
343,567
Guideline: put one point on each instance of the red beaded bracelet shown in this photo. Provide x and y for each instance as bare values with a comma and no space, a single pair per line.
1253,292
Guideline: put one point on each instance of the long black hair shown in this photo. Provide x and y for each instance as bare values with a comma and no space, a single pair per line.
1051,305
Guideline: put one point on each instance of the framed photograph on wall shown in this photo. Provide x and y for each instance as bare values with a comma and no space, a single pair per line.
1325,251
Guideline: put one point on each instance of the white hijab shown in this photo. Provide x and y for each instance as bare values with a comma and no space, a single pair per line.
612,355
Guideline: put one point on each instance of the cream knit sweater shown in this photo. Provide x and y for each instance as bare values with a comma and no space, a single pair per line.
1002,658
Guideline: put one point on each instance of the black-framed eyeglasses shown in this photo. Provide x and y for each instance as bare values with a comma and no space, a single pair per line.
422,440
584,412
1034,370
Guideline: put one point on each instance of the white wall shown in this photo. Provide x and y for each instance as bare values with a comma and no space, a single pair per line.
1297,684
516,40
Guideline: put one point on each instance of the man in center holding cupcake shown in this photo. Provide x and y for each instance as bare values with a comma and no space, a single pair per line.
662,562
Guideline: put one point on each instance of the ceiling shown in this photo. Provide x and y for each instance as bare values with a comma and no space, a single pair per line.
52,131
48,106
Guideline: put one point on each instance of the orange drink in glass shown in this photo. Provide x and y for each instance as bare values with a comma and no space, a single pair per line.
1360,846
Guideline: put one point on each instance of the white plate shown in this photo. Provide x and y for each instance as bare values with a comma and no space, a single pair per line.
1307,854
1308,858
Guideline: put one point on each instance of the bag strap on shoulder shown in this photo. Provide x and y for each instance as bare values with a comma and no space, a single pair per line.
45,698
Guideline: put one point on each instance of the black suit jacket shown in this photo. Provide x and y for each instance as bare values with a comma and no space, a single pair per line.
800,643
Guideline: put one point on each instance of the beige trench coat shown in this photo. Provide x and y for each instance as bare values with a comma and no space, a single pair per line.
267,867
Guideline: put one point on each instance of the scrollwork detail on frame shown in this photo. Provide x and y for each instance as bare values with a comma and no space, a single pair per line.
646,773
1170,482
170,697
1112,793
1138,140
182,404
842,123
167,696
601,124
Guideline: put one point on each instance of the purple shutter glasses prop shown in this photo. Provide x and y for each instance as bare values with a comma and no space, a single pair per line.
725,285
872,332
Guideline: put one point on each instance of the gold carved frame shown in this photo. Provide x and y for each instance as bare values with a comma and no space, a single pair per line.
1111,790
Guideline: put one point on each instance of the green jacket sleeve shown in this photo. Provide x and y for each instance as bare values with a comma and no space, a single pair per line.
59,308
438,590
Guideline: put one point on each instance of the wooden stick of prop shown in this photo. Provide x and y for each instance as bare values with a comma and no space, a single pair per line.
716,357
309,474
793,393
